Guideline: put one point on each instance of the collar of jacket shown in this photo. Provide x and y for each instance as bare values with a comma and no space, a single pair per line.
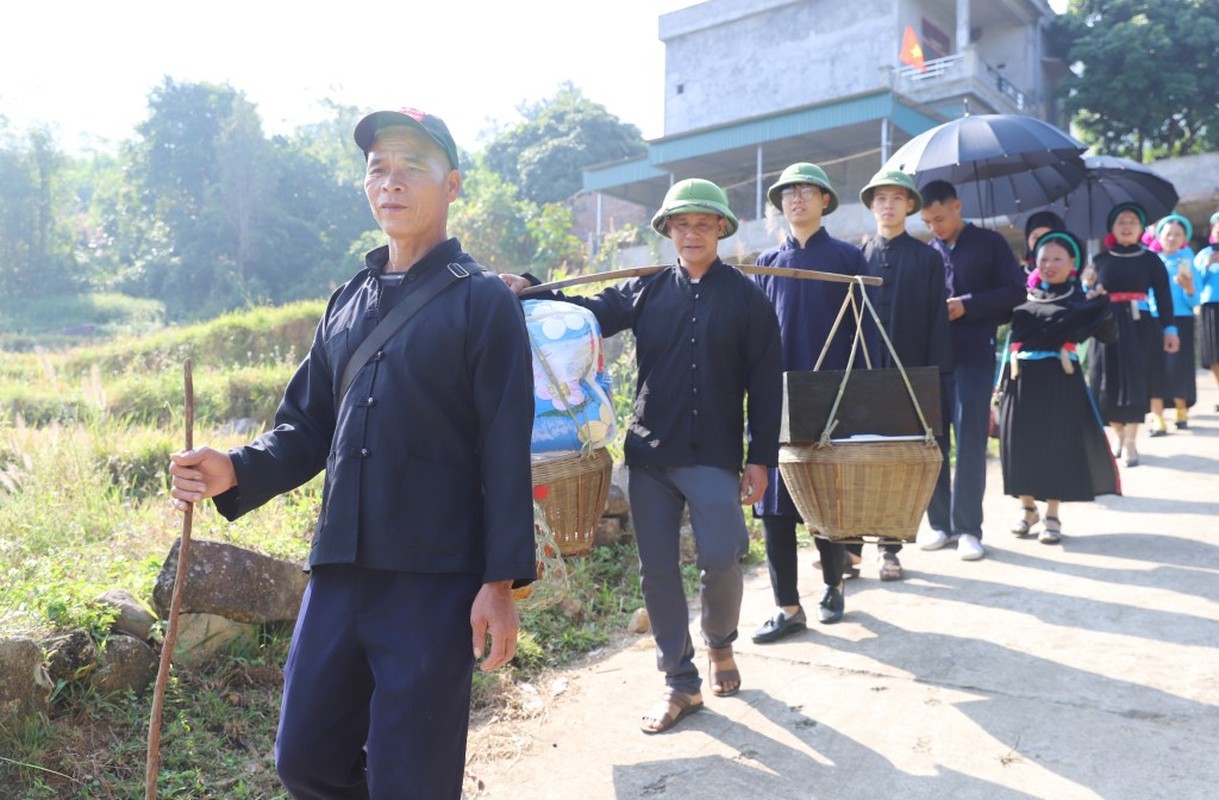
448,250
820,236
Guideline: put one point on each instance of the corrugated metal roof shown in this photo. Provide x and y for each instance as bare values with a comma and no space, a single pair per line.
758,130
622,172
771,128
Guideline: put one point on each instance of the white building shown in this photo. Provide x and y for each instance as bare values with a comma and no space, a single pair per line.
754,85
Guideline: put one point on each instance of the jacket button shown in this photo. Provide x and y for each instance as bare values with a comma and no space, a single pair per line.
370,402
364,452
695,412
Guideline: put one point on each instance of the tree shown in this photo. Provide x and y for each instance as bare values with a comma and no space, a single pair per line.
227,217
36,245
545,153
507,233
1145,81
489,219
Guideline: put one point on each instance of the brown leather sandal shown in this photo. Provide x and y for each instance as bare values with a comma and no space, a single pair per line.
668,711
722,672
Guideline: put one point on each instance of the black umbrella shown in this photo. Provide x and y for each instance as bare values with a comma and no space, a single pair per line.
1111,180
999,163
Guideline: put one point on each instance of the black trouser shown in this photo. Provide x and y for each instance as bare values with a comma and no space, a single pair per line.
783,563
381,665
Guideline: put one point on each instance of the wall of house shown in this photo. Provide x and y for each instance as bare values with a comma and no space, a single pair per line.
728,60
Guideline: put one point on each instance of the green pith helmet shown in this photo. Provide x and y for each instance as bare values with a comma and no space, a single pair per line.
694,196
803,172
891,177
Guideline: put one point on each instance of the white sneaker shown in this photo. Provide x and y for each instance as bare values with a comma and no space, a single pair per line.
932,539
969,548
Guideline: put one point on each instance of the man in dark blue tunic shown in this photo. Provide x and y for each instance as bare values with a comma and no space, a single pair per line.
427,519
806,310
910,302
984,284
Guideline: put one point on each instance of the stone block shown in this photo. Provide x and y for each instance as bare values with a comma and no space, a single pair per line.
232,582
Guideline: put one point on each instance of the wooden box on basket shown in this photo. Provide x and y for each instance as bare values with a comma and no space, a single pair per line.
857,453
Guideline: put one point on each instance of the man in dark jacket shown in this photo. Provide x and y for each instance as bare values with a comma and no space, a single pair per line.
910,302
984,283
807,310
707,345
427,519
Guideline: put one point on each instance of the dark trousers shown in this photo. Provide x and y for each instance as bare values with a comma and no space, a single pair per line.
782,560
658,495
956,505
379,672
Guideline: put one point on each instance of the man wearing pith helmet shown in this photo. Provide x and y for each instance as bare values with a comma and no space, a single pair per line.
806,310
910,302
706,345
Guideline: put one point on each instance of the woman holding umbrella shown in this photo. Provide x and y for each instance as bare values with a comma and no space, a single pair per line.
1118,370
1046,406
1173,233
1207,265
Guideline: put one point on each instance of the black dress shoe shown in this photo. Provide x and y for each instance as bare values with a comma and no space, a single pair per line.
1182,424
1157,433
832,605
780,625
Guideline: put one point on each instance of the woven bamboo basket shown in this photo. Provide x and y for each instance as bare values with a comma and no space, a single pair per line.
848,490
572,490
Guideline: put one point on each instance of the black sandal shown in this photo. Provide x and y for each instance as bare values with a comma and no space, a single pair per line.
1022,527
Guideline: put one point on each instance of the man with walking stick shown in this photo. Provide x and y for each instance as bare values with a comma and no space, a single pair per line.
417,400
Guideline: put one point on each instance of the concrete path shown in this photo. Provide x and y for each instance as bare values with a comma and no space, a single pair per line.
1085,670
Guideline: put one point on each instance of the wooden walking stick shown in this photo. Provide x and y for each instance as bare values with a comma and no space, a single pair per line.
175,603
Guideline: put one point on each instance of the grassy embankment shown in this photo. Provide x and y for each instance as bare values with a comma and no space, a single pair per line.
84,438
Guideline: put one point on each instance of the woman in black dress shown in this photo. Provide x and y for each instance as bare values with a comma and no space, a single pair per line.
1052,443
1119,370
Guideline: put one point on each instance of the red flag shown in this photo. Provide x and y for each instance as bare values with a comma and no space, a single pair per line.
912,51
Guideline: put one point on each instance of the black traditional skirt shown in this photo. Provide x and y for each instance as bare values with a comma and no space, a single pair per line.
1208,335
1179,369
1118,371
1052,444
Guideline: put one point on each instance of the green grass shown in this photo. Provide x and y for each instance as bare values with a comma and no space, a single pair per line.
85,435
242,361
65,319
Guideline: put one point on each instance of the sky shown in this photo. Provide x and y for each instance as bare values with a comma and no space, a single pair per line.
86,68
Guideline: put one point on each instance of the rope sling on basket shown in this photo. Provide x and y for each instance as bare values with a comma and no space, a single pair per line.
571,489
865,485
